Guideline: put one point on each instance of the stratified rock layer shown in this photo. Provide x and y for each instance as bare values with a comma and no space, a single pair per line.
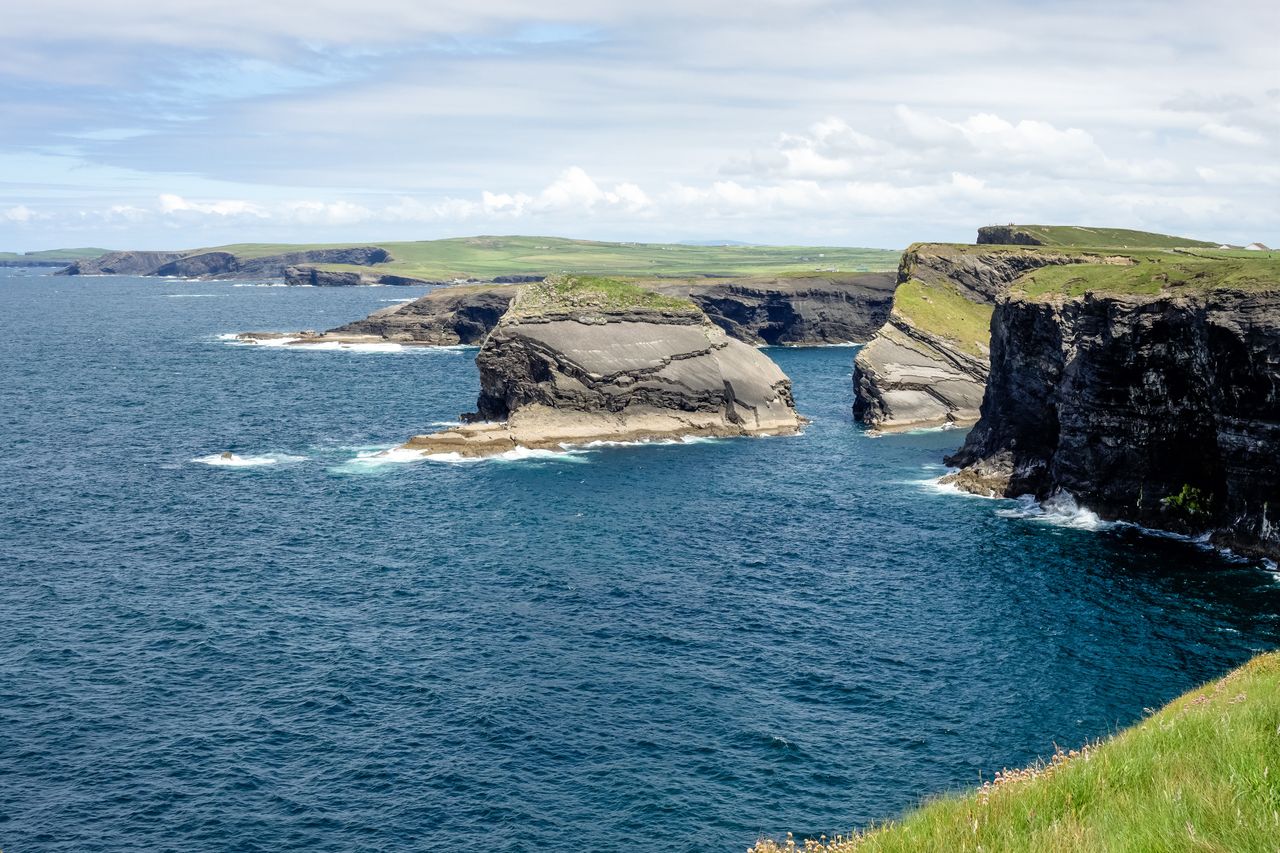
579,376
220,264
1161,409
914,373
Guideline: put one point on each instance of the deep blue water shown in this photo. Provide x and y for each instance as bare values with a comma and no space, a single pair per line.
679,645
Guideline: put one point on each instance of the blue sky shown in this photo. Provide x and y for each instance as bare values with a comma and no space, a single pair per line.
162,124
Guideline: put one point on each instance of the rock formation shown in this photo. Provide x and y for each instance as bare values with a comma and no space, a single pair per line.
823,309
571,365
928,365
220,264
120,263
1157,404
801,310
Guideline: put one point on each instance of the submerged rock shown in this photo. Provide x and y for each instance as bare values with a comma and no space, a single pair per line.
572,374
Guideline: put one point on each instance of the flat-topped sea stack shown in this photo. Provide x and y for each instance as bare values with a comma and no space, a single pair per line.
581,359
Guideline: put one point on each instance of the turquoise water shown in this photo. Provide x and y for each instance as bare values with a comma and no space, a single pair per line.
689,645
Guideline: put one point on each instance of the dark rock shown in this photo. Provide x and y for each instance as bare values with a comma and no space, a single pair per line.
1006,235
121,263
1160,409
445,316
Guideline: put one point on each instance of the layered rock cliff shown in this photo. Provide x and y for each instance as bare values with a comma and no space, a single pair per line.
570,365
120,263
1157,404
220,264
803,310
823,309
927,366
446,316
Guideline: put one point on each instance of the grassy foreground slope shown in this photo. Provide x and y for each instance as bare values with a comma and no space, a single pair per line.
1202,774
1100,238
486,257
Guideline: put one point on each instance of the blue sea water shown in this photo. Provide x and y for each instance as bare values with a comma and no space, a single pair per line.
686,646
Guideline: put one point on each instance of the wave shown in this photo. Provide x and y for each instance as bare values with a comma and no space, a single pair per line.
249,461
234,339
516,454
1059,510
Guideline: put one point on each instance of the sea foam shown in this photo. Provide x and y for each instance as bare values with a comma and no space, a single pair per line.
249,461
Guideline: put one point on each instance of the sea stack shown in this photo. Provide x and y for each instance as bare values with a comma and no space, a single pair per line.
579,359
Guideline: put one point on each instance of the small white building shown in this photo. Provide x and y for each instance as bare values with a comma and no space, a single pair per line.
1257,247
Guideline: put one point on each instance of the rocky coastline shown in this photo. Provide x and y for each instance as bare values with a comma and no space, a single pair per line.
1161,409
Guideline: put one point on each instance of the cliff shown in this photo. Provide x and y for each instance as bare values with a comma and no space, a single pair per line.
579,359
811,309
1149,393
120,263
220,264
927,366
1079,235
445,316
777,310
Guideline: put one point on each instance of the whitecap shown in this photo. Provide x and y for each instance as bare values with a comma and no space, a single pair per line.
1059,510
235,460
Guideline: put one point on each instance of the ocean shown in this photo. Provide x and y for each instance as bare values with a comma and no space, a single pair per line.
618,648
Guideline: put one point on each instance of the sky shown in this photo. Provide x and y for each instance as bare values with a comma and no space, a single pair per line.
186,123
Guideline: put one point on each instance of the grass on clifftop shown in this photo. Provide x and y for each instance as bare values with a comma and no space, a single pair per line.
566,292
942,311
1173,275
1102,238
1202,774
67,255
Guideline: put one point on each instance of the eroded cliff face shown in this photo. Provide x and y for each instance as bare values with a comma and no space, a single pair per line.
120,263
220,264
811,310
444,317
571,377
927,366
1160,409
829,309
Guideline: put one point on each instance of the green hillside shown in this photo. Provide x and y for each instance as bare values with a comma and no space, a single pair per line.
1101,238
486,257
1199,775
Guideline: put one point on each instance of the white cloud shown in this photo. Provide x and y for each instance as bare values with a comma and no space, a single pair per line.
18,213
171,204
1232,134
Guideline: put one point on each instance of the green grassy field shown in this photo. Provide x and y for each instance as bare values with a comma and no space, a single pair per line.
1199,775
1173,274
486,257
1099,238
561,292
942,311
67,255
